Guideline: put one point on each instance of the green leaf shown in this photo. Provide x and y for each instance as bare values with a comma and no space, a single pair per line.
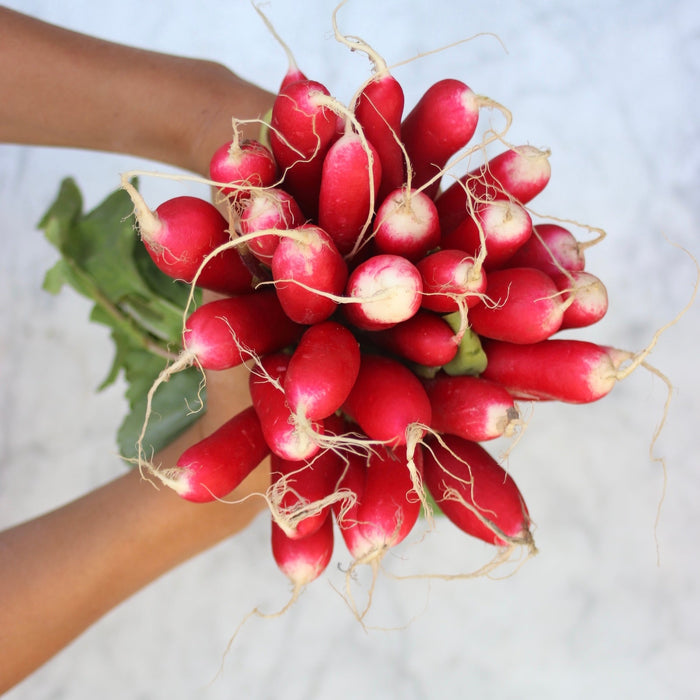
102,258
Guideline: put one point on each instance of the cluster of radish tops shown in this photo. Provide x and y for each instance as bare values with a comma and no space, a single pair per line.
392,316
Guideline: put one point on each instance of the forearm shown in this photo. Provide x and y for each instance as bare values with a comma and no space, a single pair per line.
63,571
72,90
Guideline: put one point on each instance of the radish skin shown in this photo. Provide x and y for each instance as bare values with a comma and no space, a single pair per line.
306,269
505,226
387,289
475,492
471,407
349,184
451,280
442,122
590,298
322,370
524,306
386,399
221,334
520,174
210,469
242,166
406,224
552,249
558,369
386,506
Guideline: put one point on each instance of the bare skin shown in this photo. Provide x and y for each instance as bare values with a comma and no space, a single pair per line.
61,572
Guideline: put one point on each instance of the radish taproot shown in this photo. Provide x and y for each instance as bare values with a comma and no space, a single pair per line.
210,469
475,492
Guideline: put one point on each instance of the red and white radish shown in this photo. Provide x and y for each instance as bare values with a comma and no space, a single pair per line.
383,291
309,274
322,370
241,166
452,280
558,369
210,469
406,224
471,407
475,492
442,122
522,305
347,195
493,233
589,298
387,399
552,249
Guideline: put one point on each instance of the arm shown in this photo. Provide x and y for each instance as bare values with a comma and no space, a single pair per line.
72,90
62,571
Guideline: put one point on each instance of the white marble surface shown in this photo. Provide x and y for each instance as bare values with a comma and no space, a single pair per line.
611,88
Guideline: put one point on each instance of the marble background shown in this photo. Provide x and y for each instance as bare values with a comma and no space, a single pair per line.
612,89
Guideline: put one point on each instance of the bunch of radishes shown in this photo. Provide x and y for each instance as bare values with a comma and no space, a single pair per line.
390,327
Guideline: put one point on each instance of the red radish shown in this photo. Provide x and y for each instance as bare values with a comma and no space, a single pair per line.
302,128
551,248
181,233
303,560
306,269
379,109
386,399
284,436
590,298
426,339
520,173
386,290
221,334
499,228
242,166
406,224
524,306
272,208
471,407
450,278
442,122
302,492
211,469
386,506
558,369
322,370
475,492
347,196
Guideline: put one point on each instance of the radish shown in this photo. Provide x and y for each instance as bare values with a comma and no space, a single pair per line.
181,233
426,339
475,492
558,369
303,560
222,334
271,208
322,370
442,122
588,296
520,173
210,469
285,437
386,506
350,181
493,233
379,109
406,224
303,492
387,399
452,280
302,128
552,249
308,272
471,407
383,291
242,166
524,306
